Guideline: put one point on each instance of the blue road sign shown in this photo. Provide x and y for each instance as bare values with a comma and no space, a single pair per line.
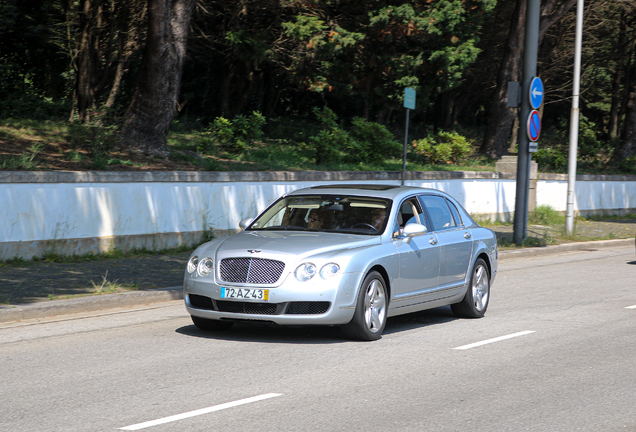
534,125
409,98
536,92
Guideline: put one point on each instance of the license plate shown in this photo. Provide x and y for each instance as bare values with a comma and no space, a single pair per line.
245,293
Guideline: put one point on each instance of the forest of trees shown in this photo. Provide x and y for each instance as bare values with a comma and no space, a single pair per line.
139,63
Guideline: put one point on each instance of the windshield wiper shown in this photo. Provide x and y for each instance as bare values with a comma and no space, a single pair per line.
283,228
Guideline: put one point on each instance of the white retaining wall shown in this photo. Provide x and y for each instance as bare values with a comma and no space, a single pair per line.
91,212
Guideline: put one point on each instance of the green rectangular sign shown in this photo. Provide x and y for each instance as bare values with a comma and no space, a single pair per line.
409,98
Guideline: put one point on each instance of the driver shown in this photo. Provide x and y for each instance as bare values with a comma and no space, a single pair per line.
315,219
377,218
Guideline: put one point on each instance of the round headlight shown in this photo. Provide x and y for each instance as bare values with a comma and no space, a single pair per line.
305,271
192,264
205,266
329,270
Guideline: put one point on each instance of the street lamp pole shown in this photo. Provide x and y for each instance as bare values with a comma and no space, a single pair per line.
574,121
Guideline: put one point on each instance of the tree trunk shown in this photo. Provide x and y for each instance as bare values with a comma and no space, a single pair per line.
501,118
85,70
130,22
155,100
616,80
627,147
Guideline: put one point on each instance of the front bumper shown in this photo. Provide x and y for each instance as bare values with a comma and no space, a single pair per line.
318,301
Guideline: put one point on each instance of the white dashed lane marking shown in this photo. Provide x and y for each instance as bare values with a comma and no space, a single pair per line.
497,339
200,412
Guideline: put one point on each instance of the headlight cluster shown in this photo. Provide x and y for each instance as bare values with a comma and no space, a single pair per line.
306,271
203,267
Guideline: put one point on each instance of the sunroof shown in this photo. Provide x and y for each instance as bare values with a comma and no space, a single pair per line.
358,186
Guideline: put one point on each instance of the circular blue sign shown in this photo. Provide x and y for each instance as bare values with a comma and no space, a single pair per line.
536,92
534,125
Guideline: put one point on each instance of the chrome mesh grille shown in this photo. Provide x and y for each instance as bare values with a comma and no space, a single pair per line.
251,270
246,308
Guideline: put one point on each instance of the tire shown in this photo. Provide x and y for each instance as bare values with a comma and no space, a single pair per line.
208,324
475,302
370,317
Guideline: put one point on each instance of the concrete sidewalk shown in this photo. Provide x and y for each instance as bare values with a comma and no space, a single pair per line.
47,309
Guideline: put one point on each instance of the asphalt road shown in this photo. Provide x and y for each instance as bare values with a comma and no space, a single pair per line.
555,352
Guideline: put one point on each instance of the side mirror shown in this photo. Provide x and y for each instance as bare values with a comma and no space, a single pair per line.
414,229
244,223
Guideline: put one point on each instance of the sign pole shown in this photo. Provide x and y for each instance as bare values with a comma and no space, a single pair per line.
531,48
406,139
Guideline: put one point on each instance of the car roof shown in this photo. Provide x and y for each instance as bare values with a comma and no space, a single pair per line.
392,192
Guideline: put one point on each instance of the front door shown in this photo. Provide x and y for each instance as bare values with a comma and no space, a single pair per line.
419,258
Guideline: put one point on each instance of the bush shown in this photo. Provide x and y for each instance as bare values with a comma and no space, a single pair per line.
546,215
548,157
443,148
235,135
330,141
371,142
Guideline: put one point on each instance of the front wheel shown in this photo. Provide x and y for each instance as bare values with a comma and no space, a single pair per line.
475,301
369,319
208,324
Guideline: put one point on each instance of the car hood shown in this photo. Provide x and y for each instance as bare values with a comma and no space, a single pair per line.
289,246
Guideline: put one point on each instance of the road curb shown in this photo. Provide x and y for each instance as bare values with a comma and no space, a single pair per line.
53,308
566,247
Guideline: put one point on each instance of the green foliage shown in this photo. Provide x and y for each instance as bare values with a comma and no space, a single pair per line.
629,165
371,142
551,158
365,142
443,148
222,129
546,215
235,135
553,151
26,161
331,141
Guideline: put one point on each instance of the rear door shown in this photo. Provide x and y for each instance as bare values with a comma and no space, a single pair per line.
455,241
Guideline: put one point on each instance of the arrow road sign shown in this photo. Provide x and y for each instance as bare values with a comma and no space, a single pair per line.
534,125
536,92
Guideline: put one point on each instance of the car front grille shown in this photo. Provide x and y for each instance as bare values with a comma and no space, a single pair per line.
251,270
307,308
250,308
246,307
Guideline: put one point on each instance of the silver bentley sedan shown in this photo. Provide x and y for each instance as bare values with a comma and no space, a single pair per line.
347,255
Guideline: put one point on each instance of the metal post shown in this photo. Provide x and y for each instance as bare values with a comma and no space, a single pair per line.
406,138
531,48
574,121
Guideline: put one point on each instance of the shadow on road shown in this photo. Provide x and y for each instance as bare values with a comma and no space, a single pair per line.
632,262
421,319
272,333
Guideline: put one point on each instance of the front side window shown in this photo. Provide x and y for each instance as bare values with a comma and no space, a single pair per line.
332,213
410,212
441,215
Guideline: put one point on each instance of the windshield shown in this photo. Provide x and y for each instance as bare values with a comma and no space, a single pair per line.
332,213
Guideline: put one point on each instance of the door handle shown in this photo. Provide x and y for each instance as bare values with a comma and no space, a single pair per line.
466,236
433,241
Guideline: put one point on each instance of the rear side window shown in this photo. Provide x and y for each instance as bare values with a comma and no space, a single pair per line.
440,214
456,215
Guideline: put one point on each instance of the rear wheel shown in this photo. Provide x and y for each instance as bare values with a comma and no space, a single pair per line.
369,319
475,301
208,324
